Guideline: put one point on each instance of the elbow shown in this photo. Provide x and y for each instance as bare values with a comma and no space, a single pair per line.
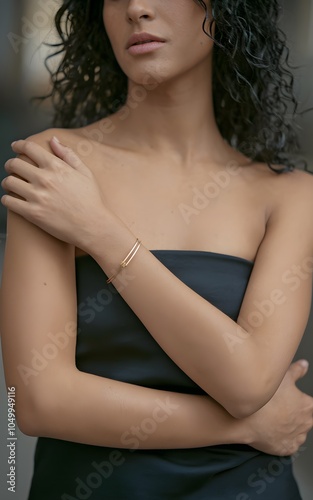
35,421
26,426
39,413
247,403
31,412
28,418
244,409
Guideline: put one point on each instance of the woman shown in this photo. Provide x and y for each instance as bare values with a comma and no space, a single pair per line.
193,259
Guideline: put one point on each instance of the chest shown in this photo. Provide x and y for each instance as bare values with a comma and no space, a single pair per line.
207,209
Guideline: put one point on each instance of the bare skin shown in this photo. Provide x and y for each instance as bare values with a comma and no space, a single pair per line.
133,183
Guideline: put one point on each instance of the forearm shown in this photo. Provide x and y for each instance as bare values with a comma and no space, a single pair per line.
55,399
85,408
187,327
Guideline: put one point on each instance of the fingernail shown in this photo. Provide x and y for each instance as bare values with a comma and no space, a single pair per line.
56,139
304,363
14,142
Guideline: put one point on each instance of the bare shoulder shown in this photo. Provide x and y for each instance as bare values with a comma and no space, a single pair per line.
298,178
292,208
285,199
296,189
67,136
80,142
25,237
279,189
84,141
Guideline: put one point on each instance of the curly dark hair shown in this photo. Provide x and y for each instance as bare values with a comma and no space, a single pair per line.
253,92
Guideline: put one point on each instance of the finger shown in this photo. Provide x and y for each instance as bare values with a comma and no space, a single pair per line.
33,151
22,168
67,154
16,186
15,204
299,369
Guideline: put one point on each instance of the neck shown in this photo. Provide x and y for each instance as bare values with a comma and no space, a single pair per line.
175,118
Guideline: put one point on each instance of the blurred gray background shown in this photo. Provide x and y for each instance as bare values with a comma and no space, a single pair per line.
24,24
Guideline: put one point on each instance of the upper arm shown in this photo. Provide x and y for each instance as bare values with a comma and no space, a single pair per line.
277,302
38,306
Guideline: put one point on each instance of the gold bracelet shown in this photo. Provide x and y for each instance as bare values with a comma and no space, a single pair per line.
129,257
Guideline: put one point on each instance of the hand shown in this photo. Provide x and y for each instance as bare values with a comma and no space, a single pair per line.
59,194
282,425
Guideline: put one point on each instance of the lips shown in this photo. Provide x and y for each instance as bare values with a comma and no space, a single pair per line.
142,38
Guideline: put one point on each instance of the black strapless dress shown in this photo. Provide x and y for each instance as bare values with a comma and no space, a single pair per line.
113,343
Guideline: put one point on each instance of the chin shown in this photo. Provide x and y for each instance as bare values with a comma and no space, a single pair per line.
148,81
149,75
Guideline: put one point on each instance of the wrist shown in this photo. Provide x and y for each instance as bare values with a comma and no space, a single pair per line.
110,242
235,430
245,431
238,432
219,427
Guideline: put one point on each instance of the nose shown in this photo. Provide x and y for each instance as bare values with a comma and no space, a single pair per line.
139,9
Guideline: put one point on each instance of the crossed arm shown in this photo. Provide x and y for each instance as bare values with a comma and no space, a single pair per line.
38,297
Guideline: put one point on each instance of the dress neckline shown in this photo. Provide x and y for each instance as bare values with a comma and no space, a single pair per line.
195,252
205,252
